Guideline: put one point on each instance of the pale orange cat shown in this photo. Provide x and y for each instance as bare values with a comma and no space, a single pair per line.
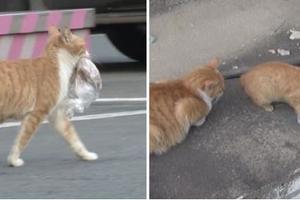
273,82
176,105
34,89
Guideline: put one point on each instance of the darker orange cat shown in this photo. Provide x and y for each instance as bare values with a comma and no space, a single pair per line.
176,105
35,89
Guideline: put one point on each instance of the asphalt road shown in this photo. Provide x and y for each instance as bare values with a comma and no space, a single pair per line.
52,171
241,151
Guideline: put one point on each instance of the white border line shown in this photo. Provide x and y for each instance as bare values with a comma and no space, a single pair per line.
120,99
86,117
108,115
148,96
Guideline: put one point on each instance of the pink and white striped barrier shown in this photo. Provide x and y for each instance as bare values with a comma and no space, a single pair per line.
24,35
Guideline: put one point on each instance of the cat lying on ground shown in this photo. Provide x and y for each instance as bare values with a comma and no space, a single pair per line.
176,105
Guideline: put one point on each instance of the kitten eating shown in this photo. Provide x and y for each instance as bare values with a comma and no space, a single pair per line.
273,82
176,105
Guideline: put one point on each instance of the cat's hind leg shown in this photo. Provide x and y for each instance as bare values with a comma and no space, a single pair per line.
159,143
62,124
259,96
29,126
263,102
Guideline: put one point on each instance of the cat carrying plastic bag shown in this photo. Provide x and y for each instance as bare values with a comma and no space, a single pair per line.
85,86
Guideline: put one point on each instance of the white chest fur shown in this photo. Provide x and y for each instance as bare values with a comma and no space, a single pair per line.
66,63
206,99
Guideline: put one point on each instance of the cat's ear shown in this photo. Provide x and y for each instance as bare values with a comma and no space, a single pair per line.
214,63
66,35
52,30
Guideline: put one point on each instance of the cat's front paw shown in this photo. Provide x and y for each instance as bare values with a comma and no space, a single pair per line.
268,108
200,122
15,162
89,156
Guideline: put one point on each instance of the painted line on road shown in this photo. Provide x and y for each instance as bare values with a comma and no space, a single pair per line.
86,117
108,115
120,99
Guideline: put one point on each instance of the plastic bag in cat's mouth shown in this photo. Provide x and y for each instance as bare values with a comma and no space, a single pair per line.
85,86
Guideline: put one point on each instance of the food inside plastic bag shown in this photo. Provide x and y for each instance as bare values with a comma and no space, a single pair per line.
85,86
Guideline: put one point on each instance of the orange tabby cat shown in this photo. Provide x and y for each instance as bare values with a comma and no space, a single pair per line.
34,89
176,105
273,82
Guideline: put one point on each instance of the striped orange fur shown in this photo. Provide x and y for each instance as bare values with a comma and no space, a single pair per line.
32,90
176,105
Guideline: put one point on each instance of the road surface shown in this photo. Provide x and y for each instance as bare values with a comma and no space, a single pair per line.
241,151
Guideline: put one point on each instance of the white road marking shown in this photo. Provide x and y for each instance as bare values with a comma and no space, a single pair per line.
87,117
120,99
108,115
